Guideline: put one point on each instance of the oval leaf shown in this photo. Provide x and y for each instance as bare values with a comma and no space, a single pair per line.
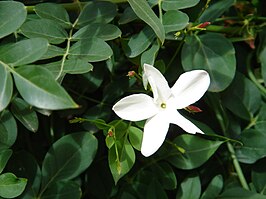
23,52
38,87
4,157
11,186
68,157
145,13
174,20
197,151
190,188
178,4
6,86
213,53
12,16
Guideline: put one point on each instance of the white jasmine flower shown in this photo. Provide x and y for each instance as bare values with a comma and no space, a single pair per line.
161,110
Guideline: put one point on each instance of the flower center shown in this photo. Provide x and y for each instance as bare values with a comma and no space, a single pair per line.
163,105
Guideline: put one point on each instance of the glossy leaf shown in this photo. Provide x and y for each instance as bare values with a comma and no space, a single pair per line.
214,188
44,28
216,10
11,186
189,188
215,54
70,66
145,13
196,151
121,163
97,12
242,97
6,86
23,52
25,114
91,50
139,42
4,157
38,87
24,164
12,16
174,20
178,4
63,190
135,137
8,129
102,31
68,157
253,147
55,12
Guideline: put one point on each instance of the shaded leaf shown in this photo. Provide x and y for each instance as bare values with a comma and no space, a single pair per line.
91,50
258,175
238,192
11,186
215,54
4,157
149,56
155,190
190,188
23,52
25,114
6,86
68,157
44,28
38,87
145,13
214,188
12,16
178,4
196,151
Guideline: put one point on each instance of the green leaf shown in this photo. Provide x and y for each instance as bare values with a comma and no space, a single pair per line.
97,12
242,97
25,114
70,66
44,28
53,51
120,163
145,13
6,86
55,12
100,30
23,52
63,190
155,190
139,42
91,50
12,16
11,186
149,56
38,87
178,4
258,176
4,157
68,157
8,129
174,20
190,188
262,57
215,54
238,192
135,137
253,147
127,16
197,151
214,188
216,10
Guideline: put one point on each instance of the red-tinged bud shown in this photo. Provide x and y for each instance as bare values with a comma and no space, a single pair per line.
110,133
193,109
131,73
204,25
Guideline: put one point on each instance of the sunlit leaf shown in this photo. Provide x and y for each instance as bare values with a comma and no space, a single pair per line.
215,54
12,16
144,12
174,20
38,87
178,4
135,137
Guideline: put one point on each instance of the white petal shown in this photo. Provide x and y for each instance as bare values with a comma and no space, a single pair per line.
154,134
184,123
159,85
135,107
190,87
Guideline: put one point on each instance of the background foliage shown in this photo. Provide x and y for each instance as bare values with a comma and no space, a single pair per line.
64,65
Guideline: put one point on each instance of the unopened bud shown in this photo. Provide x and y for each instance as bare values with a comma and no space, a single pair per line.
204,25
193,109
131,73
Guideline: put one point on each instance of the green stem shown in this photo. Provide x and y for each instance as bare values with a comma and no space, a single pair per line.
176,53
160,10
237,167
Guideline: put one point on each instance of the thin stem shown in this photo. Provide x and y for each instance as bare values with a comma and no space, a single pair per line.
237,167
176,53
203,9
160,10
